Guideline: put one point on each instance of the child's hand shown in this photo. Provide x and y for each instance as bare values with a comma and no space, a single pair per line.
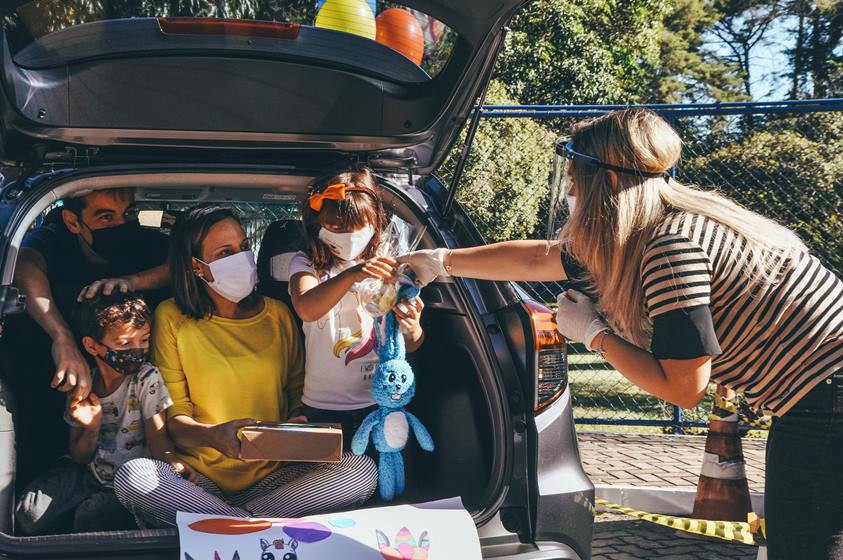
408,314
382,268
87,412
185,470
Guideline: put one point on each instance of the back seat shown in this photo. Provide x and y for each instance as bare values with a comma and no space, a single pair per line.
281,241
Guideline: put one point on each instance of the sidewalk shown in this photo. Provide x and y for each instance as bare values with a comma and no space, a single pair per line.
662,461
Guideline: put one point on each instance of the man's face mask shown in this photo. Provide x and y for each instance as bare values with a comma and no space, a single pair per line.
347,246
128,361
235,276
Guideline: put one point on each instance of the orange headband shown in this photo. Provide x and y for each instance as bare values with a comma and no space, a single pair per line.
336,191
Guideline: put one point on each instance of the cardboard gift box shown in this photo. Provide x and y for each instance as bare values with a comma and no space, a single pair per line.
318,443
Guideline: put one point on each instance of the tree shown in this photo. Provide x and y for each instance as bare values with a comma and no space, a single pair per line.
816,63
741,27
582,51
687,69
506,180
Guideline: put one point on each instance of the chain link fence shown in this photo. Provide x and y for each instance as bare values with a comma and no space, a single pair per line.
781,159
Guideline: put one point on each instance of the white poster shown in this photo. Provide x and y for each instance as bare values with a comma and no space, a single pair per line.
432,531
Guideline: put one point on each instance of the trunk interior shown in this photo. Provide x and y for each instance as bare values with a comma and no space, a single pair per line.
457,398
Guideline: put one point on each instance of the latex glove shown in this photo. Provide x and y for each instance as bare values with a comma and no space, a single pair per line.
428,264
576,318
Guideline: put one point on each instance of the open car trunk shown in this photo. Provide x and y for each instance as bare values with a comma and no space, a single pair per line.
458,395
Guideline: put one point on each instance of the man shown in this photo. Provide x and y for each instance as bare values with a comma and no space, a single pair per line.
95,236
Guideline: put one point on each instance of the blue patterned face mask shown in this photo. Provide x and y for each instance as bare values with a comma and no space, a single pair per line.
127,362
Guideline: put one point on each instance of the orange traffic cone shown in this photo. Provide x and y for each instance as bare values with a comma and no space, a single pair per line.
722,491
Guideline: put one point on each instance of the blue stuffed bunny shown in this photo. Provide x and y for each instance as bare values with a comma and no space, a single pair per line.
393,387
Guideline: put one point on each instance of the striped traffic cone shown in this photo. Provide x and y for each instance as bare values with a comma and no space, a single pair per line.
722,491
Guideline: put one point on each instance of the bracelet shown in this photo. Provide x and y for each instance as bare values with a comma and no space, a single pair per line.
600,350
446,262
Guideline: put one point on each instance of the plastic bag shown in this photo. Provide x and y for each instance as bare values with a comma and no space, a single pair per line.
378,296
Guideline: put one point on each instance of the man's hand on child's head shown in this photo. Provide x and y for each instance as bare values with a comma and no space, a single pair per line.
107,286
185,470
87,412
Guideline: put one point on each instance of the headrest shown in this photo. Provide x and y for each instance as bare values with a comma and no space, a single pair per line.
282,240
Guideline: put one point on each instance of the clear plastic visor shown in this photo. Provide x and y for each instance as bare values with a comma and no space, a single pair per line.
560,187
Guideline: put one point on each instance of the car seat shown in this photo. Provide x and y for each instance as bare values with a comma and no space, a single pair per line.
281,241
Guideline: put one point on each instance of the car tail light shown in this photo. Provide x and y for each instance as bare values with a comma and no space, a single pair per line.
551,363
223,26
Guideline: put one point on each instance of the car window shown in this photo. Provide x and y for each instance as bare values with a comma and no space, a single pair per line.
421,38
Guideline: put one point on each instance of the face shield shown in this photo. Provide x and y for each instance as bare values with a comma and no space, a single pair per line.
558,208
562,203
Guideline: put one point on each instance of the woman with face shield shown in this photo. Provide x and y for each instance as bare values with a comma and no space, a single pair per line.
685,287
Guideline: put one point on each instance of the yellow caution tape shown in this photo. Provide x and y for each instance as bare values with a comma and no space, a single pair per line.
736,531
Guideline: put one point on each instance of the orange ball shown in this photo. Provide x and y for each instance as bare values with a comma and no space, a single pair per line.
398,29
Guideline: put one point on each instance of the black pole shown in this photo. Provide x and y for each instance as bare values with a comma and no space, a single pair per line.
472,130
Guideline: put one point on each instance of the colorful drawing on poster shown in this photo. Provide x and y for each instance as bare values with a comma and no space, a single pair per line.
405,546
342,522
220,526
307,531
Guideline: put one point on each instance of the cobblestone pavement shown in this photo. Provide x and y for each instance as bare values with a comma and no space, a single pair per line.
656,460
617,537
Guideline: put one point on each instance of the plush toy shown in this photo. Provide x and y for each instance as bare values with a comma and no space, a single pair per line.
393,387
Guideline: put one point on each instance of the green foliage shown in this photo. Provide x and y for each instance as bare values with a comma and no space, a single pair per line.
582,51
790,170
506,178
687,69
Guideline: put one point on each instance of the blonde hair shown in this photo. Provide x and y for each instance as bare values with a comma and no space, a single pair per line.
610,230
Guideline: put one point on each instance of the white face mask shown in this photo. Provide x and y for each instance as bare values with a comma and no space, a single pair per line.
347,246
572,203
235,276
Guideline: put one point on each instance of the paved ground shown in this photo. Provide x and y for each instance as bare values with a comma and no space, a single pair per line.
654,460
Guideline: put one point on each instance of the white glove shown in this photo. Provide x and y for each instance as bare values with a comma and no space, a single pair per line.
428,264
576,318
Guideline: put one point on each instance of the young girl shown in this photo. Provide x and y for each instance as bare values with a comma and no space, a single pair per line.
343,218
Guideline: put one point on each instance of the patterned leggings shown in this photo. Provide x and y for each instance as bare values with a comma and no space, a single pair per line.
154,492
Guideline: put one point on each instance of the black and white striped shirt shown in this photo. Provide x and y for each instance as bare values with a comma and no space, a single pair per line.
774,344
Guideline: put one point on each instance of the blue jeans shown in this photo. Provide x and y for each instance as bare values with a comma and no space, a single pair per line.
803,499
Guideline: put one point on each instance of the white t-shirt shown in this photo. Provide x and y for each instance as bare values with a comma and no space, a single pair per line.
122,436
339,349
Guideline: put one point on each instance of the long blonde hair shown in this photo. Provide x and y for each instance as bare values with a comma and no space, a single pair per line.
611,227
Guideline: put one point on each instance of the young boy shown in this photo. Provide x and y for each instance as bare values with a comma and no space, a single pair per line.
122,419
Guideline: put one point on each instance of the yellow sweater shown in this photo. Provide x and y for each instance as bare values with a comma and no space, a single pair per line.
220,369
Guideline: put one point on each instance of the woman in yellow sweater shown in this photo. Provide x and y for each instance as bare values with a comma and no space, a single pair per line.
229,357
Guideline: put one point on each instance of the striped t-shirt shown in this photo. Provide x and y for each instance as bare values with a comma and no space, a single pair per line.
774,345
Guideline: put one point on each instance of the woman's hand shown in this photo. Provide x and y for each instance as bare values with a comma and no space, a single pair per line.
107,286
408,313
428,264
382,268
185,470
87,412
224,437
298,419
577,319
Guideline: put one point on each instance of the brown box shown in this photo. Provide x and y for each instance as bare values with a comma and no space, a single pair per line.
318,443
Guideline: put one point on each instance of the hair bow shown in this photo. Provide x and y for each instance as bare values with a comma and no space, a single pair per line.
336,191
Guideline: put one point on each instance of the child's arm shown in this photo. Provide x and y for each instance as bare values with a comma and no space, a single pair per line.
84,435
408,314
161,446
313,300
